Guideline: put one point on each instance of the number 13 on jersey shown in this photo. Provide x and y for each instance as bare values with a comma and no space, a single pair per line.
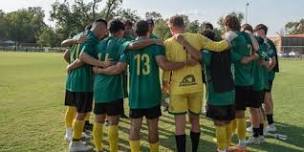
143,64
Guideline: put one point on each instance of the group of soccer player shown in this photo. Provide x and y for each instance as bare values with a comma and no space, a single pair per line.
110,62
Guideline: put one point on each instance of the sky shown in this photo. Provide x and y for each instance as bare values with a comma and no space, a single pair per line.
273,13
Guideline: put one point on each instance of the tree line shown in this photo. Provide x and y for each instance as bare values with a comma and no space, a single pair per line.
71,16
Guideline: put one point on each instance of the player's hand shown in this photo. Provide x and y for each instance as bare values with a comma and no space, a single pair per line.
179,38
191,62
69,68
96,69
106,63
81,39
246,59
166,87
229,36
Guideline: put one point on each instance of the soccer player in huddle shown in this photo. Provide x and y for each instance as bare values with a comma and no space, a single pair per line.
244,53
81,82
186,86
261,31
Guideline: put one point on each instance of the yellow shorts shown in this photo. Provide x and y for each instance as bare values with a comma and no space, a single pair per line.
181,104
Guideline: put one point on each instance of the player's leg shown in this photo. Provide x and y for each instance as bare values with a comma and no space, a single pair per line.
178,106
255,117
134,133
83,102
69,115
114,110
100,116
221,135
268,107
152,115
195,105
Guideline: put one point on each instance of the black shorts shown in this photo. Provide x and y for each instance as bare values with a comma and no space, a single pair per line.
221,113
258,99
149,113
112,108
81,100
244,96
270,86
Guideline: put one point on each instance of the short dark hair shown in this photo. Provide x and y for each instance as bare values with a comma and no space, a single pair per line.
232,22
101,21
247,27
128,23
177,21
209,34
116,25
141,28
207,25
261,27
150,21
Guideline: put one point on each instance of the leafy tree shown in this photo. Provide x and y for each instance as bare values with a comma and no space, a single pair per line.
193,26
154,15
295,27
128,14
48,38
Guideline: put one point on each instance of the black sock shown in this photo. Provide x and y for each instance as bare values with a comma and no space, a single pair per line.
256,132
269,118
261,130
195,138
180,143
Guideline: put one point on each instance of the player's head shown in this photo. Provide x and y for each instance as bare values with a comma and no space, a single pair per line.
247,27
206,26
232,23
151,25
261,30
128,26
176,24
117,28
209,34
142,28
99,27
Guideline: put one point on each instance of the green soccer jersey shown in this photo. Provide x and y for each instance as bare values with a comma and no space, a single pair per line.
129,37
145,91
214,98
153,36
271,53
259,71
241,46
108,88
79,79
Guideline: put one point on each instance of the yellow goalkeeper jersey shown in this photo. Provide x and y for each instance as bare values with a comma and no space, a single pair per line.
189,78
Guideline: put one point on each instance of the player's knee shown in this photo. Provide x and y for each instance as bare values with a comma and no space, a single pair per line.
80,116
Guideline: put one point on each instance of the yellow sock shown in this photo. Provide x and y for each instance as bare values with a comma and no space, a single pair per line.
87,118
154,147
233,126
228,133
220,132
113,138
97,136
134,145
241,128
77,129
69,116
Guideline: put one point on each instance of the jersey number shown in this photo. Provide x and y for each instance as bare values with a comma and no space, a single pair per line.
145,70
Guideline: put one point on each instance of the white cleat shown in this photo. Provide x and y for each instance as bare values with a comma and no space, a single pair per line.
242,144
271,128
78,146
68,134
253,140
261,139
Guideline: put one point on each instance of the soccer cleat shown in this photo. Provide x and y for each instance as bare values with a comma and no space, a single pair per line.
249,129
68,135
242,144
88,127
261,139
218,150
271,128
253,140
78,146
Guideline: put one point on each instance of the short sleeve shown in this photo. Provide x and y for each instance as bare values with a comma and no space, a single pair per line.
158,50
205,57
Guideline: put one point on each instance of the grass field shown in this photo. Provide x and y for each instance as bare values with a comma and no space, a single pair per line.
31,108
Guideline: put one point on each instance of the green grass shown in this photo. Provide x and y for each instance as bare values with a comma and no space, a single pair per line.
31,107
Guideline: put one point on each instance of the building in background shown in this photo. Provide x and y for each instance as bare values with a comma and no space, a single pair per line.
289,45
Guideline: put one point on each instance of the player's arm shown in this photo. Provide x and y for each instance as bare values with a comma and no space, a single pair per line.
215,46
254,42
70,42
249,59
138,44
111,70
74,65
195,54
66,55
86,58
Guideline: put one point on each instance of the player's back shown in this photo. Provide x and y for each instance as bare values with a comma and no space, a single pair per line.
144,81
